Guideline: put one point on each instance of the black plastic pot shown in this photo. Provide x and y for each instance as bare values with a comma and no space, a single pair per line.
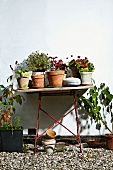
11,140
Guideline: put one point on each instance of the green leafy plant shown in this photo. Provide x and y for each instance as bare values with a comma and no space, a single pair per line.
20,70
7,107
37,61
98,104
81,65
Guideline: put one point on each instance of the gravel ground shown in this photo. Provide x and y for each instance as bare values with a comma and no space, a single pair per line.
69,159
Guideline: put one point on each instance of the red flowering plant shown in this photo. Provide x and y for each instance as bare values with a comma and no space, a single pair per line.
57,64
81,65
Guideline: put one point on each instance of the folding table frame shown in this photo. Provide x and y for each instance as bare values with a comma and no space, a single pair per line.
59,91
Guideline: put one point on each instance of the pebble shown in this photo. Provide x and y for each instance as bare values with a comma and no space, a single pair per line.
69,159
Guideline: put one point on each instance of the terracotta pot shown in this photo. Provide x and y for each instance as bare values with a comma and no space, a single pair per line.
55,78
23,82
74,72
109,141
50,133
38,81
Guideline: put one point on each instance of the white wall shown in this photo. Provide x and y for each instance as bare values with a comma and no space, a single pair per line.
58,27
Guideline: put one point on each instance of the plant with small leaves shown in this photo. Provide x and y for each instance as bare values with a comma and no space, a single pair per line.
37,61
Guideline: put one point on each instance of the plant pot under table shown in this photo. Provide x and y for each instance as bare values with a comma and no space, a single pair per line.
11,140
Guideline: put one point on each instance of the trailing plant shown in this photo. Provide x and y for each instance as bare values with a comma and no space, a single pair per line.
98,104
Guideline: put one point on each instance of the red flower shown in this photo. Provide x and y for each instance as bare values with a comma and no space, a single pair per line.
78,60
55,61
60,62
84,66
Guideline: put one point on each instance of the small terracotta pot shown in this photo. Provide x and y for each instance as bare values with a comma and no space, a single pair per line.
74,72
50,133
109,141
38,80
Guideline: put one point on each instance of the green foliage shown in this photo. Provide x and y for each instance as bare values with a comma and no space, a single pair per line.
16,124
22,73
20,70
38,61
7,107
98,104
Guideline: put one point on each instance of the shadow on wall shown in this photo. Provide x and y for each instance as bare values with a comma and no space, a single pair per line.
85,121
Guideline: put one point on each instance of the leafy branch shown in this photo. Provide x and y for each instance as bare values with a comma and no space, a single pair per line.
98,104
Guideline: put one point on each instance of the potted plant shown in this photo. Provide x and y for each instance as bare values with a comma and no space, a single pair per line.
98,103
22,73
82,68
38,63
57,72
11,132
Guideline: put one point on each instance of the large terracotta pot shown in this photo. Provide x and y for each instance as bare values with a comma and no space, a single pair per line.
55,78
38,81
109,141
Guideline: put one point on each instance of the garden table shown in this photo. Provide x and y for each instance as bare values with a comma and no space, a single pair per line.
58,91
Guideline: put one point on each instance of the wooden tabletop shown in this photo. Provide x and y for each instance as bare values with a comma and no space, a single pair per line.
53,89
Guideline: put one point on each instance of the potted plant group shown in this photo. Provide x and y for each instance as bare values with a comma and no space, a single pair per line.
82,68
56,73
38,63
11,132
98,103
